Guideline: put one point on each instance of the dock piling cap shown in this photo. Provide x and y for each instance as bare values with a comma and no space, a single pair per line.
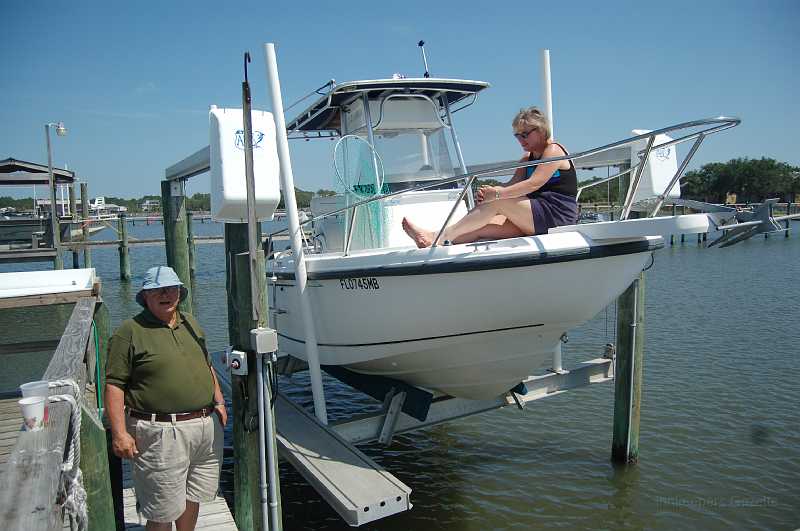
159,277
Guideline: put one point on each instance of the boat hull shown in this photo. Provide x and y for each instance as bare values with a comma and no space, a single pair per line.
467,333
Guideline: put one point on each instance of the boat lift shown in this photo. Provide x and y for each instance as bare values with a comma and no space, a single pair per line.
360,490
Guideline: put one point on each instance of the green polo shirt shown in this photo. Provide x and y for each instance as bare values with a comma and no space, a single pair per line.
160,369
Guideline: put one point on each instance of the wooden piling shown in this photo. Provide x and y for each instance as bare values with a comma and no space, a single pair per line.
247,496
628,373
102,323
173,206
87,253
73,209
190,243
94,466
124,256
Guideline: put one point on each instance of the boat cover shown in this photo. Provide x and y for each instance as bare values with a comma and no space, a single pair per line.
22,284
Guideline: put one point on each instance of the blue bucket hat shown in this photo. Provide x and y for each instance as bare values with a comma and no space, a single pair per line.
159,277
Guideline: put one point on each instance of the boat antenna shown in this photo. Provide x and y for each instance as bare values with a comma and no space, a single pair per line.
421,44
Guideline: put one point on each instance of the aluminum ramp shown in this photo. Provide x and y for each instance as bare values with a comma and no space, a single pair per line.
357,488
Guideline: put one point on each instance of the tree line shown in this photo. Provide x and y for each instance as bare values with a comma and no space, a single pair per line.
749,180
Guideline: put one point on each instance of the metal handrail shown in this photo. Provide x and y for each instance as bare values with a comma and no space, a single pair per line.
717,125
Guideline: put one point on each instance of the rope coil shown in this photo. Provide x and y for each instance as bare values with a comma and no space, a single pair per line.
72,495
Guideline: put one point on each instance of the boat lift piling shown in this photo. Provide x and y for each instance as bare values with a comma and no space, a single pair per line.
173,206
628,373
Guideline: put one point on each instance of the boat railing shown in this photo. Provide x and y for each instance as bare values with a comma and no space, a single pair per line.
706,126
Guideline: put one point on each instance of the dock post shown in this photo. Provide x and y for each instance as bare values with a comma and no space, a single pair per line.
247,496
628,373
672,236
87,253
190,242
102,323
94,466
788,213
173,206
124,256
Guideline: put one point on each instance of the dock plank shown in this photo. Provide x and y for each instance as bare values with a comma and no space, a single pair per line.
10,424
213,515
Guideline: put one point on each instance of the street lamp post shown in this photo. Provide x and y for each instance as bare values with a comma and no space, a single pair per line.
58,261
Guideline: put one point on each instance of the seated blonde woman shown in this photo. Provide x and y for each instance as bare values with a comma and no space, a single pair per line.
534,200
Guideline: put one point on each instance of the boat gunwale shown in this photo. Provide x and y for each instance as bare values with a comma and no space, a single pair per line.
492,261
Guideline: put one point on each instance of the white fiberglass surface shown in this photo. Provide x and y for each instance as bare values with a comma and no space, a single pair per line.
551,244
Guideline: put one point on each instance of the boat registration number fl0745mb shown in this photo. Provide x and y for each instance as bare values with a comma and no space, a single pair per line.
359,283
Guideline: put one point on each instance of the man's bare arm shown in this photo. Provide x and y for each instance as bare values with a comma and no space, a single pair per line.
122,444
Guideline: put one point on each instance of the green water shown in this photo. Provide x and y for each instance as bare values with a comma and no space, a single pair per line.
720,446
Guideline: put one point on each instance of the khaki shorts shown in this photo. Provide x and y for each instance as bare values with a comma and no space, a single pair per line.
176,462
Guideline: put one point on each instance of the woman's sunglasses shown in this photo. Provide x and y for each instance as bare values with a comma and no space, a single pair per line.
523,136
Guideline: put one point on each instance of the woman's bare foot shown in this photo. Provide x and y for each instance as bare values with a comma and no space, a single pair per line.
421,237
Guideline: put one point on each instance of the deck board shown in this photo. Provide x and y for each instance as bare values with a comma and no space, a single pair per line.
213,515
10,424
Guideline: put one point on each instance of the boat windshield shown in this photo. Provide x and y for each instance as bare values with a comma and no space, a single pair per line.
413,155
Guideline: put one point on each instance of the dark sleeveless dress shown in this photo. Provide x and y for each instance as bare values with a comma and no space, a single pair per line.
554,203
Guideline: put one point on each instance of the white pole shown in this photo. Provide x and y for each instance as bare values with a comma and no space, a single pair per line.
547,90
287,183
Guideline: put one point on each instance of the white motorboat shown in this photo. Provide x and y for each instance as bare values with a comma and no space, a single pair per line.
469,320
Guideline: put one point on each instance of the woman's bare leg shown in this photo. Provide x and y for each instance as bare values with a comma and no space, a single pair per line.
517,211
492,231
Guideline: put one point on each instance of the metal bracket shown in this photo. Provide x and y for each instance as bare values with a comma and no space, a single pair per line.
393,405
237,361
176,188
520,404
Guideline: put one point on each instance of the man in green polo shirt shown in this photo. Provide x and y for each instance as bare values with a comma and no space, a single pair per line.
165,406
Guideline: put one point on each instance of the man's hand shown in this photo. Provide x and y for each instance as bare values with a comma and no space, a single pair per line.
124,446
222,412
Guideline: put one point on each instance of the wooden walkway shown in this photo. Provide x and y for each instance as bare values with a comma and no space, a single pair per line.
10,424
214,515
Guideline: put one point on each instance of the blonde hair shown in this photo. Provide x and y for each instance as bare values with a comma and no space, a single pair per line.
532,118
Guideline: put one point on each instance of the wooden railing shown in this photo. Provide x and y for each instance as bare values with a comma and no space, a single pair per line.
30,483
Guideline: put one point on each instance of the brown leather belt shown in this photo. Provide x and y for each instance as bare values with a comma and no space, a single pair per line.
167,417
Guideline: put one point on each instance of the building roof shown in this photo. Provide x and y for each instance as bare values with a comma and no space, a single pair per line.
21,172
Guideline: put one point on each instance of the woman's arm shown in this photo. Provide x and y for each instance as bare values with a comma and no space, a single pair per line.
519,175
540,176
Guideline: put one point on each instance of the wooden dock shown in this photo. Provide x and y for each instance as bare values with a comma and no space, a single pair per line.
215,515
10,424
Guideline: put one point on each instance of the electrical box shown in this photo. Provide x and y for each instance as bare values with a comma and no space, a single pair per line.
228,176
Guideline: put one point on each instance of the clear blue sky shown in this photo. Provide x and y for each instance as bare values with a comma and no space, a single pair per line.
133,80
